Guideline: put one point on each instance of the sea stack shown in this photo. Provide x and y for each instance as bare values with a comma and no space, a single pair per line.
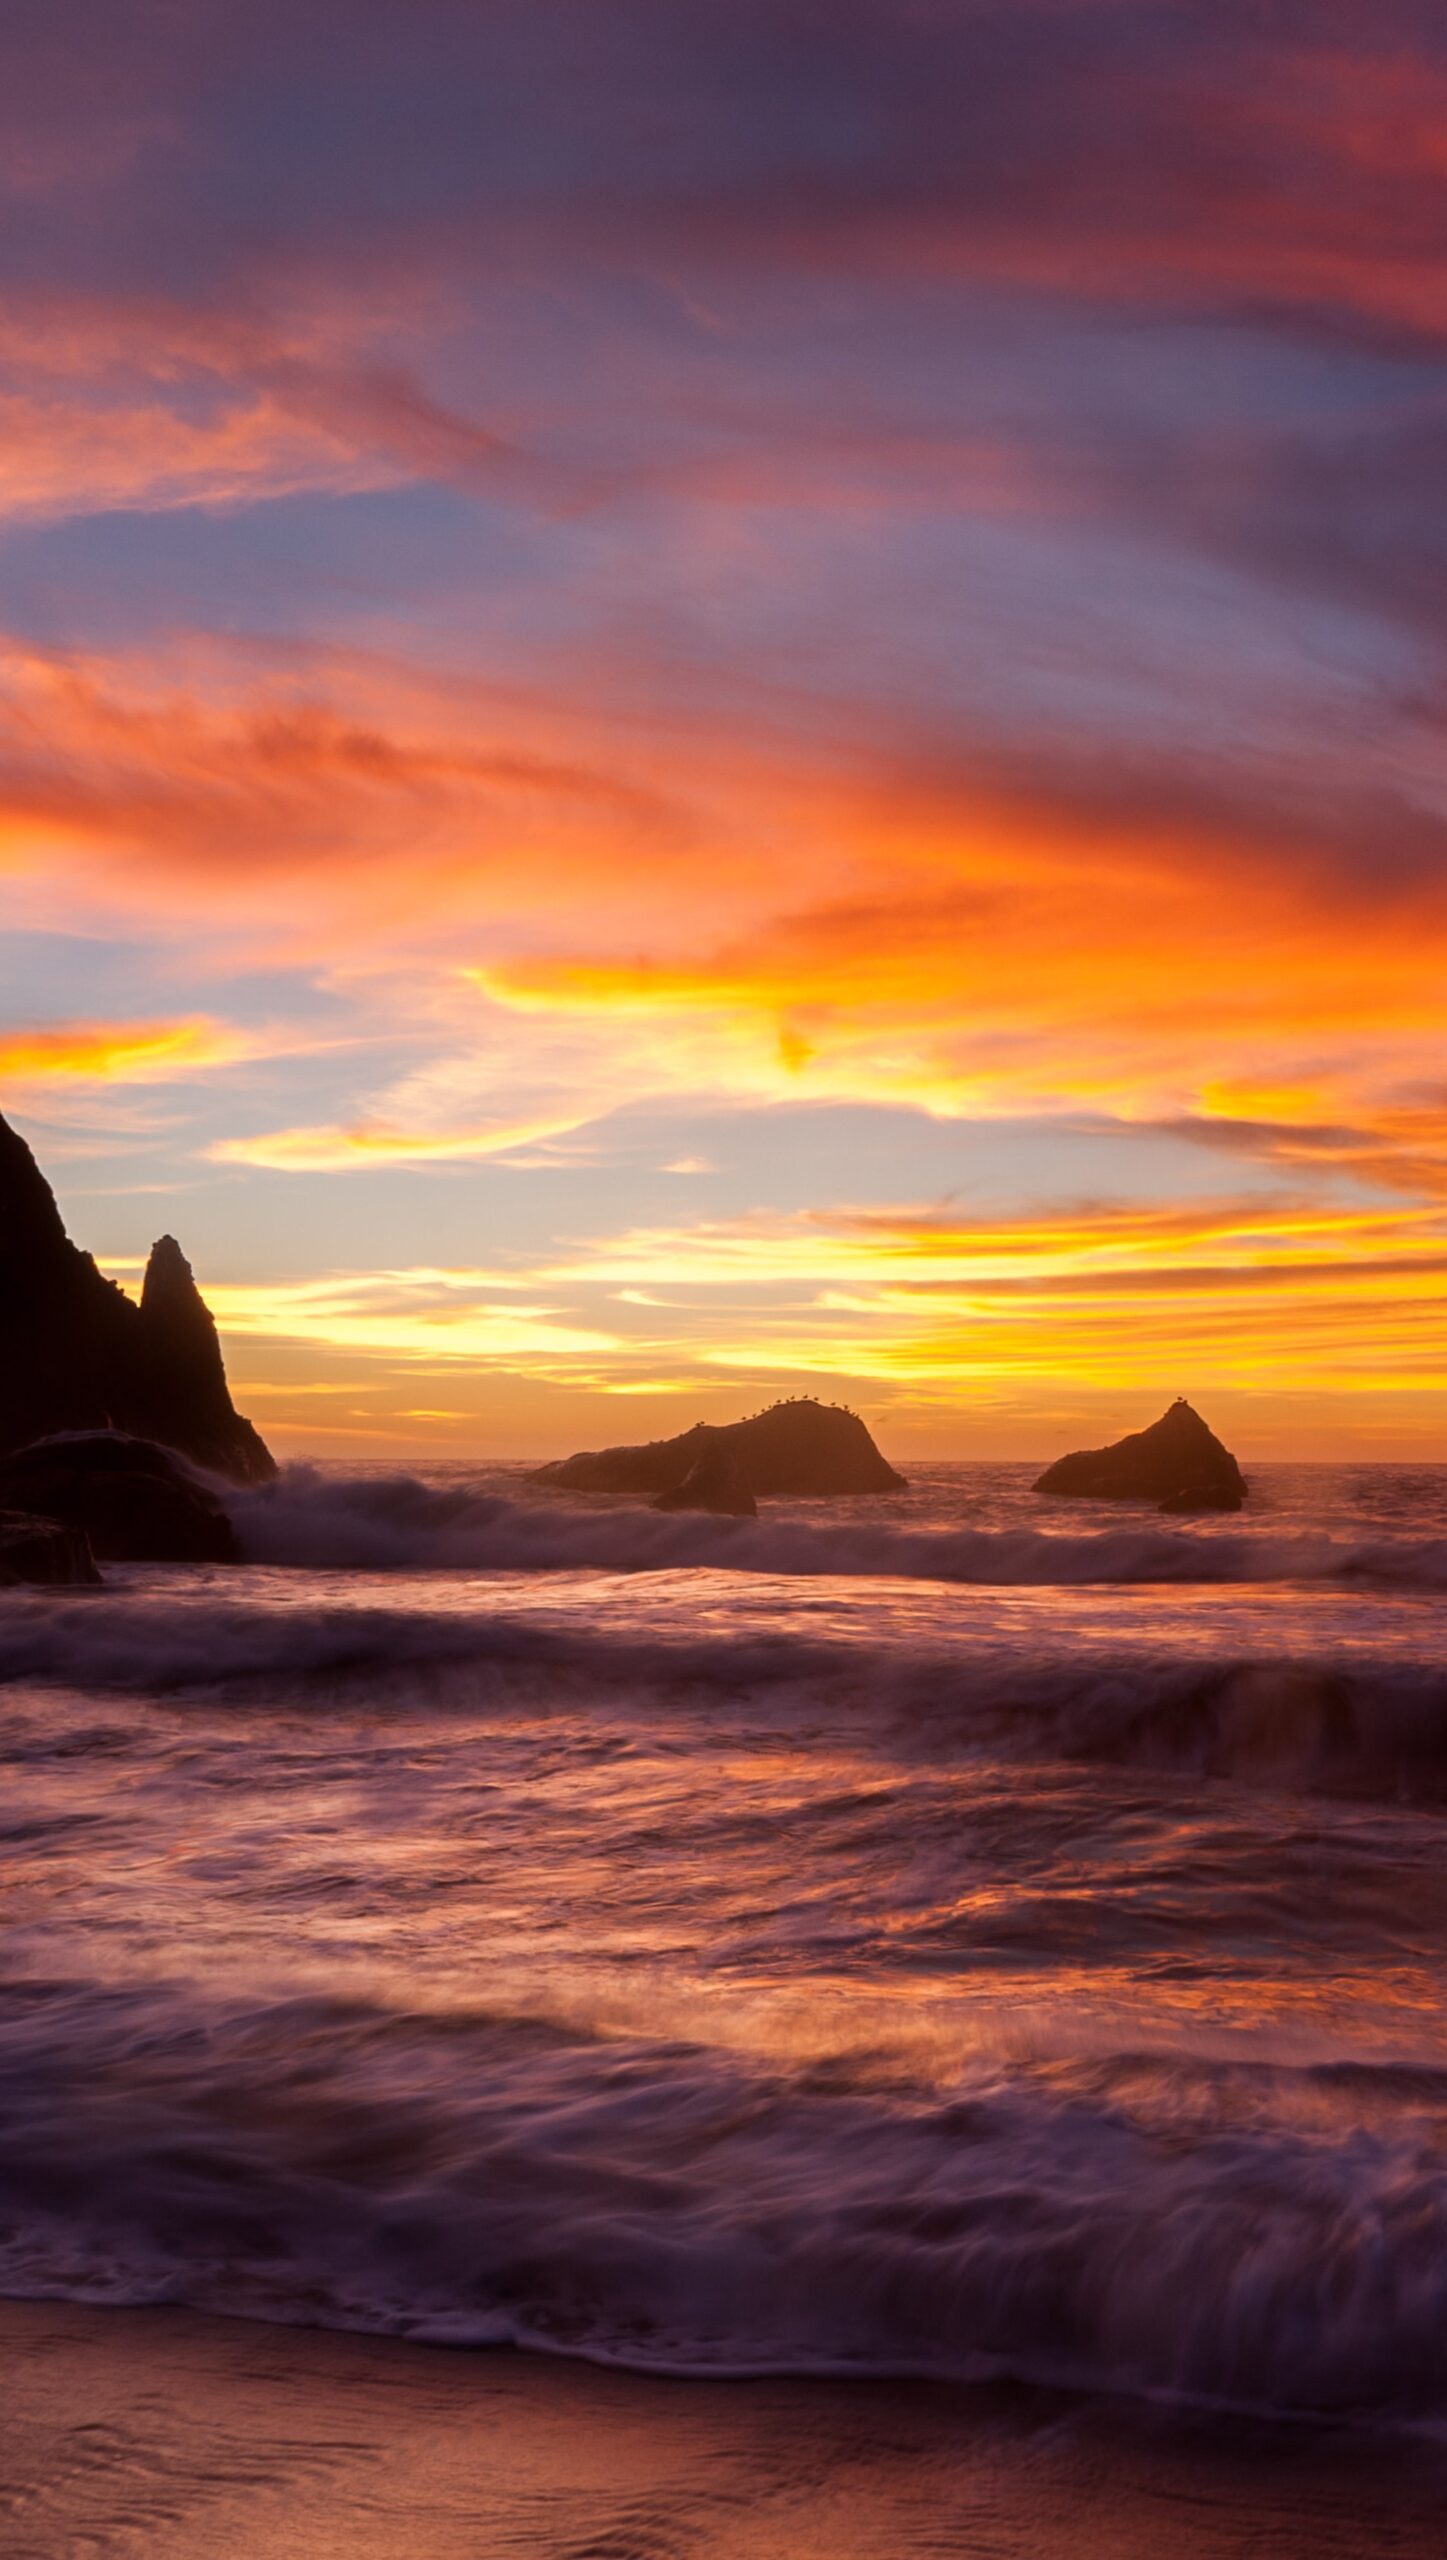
800,1447
77,1354
1178,1464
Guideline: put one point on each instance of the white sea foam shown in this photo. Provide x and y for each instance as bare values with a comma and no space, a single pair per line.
1367,1721
401,1523
1233,2237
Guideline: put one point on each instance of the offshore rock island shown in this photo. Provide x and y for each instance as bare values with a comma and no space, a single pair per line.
799,1448
1177,1463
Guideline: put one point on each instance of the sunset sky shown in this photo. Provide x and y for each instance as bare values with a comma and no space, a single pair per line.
703,697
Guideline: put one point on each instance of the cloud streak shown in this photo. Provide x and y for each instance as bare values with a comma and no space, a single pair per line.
116,1052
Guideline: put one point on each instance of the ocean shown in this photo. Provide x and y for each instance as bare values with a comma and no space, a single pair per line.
944,1936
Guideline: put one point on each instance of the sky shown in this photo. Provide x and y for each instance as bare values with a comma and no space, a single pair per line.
703,699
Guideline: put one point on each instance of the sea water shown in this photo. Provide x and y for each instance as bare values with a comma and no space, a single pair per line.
946,1934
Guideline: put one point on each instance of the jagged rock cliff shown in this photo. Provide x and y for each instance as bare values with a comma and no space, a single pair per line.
76,1354
800,1447
1177,1463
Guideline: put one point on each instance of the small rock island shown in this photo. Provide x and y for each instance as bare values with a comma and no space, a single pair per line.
1177,1463
802,1448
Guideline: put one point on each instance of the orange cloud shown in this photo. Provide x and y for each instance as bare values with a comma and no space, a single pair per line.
390,806
1009,962
58,458
644,911
155,404
118,1052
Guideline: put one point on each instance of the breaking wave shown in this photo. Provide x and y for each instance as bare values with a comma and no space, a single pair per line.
1246,2235
1364,1726
401,1523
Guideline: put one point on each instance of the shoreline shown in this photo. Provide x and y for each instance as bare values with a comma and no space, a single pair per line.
180,2435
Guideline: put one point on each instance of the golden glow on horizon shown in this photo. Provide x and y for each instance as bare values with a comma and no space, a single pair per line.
1105,1306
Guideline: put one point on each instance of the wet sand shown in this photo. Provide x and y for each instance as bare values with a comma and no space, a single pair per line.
179,2437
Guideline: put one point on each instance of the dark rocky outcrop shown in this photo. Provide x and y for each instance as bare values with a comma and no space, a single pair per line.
713,1483
135,1502
189,1401
1178,1464
800,1447
34,1550
76,1354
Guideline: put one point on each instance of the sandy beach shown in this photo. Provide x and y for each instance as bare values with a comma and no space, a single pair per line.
180,2437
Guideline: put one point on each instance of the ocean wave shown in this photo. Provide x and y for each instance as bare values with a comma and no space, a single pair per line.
400,1523
484,2180
1368,1726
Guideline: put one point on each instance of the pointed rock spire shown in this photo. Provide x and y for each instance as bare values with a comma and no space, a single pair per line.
76,1354
182,1354
169,1289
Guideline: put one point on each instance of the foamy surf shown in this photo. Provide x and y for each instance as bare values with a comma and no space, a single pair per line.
400,1523
839,1966
1231,2236
1343,1717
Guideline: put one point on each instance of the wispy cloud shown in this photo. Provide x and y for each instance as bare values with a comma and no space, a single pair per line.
341,1150
422,1316
118,1052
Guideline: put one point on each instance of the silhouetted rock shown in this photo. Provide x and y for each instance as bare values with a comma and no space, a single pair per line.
190,1402
1179,1464
76,1354
799,1447
713,1483
135,1502
34,1550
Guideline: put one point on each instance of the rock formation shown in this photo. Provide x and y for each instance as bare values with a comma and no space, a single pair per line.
34,1550
76,1354
1178,1464
800,1447
713,1483
135,1503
